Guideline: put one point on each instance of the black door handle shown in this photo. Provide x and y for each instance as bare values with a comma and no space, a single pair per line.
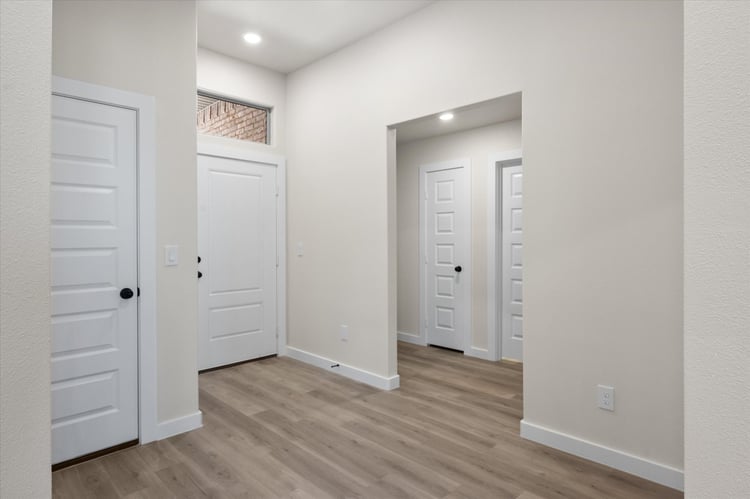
458,268
126,293
200,274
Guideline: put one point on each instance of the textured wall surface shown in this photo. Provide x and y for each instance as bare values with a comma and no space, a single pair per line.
25,52
149,48
717,249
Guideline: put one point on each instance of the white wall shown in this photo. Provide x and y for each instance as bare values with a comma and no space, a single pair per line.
25,58
717,249
602,133
230,77
149,47
476,144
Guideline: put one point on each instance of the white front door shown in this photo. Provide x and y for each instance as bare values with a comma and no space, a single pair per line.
94,260
446,258
512,250
237,247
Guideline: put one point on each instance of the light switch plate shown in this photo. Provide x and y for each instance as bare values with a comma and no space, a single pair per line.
171,255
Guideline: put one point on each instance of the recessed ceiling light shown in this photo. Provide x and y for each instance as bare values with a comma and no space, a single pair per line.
252,38
446,116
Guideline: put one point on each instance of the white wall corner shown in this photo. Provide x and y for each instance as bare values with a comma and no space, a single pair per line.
619,460
411,338
366,377
183,424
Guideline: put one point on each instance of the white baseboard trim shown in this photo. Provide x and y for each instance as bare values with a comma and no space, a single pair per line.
350,372
183,424
479,353
655,472
411,338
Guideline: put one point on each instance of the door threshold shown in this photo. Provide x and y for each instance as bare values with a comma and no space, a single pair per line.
445,348
235,364
94,455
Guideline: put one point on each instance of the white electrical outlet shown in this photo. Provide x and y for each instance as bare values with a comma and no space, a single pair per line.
605,397
344,332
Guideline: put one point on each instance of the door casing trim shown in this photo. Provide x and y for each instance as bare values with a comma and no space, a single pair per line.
144,107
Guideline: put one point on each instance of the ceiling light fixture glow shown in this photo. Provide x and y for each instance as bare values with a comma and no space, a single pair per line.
446,116
252,38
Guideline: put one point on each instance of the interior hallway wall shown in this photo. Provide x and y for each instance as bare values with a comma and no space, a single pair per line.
602,140
149,48
25,60
476,144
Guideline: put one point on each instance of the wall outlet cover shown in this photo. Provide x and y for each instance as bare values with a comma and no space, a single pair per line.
605,397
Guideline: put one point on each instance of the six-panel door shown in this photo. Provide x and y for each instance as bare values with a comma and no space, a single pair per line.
512,250
446,247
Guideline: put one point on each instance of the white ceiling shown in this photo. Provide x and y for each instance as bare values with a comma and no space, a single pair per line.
485,113
295,32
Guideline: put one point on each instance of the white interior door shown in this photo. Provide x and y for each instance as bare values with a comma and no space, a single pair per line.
446,244
512,250
237,245
94,258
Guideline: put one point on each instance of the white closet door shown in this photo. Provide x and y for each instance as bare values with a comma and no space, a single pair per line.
446,208
512,247
94,264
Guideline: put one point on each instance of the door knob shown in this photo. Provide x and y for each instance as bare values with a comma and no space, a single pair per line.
126,293
200,274
458,268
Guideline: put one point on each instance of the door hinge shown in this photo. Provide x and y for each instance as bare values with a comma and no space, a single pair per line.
277,191
426,196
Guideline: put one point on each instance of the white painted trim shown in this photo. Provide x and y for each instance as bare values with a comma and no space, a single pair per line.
494,295
412,338
347,371
650,470
241,152
423,171
479,353
145,107
183,424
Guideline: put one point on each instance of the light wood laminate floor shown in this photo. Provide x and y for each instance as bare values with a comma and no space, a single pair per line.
281,428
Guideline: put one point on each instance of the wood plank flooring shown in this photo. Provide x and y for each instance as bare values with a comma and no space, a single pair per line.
280,428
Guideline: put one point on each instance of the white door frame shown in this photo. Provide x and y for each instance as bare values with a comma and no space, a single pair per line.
423,171
144,107
209,147
494,293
